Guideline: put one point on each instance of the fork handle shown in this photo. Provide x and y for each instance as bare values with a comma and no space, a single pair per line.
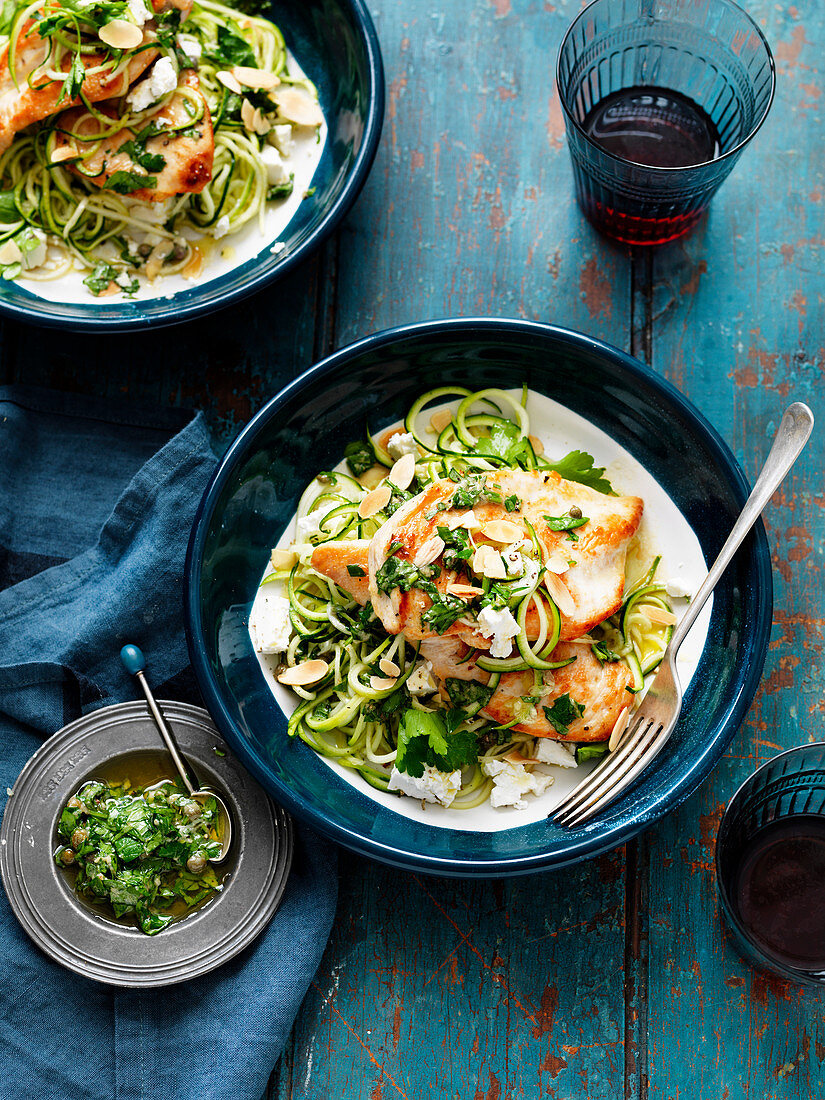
793,434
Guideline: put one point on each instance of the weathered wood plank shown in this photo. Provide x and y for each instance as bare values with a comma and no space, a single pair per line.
737,322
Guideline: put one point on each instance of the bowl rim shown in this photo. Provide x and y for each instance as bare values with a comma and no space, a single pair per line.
596,839
138,319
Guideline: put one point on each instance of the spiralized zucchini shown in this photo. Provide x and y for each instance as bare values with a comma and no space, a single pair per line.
353,714
94,225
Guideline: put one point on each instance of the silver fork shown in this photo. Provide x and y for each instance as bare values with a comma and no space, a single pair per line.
650,728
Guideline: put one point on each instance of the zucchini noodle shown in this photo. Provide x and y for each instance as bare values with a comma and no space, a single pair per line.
47,197
354,707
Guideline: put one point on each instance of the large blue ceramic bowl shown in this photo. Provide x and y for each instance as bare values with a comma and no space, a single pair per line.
336,45
254,494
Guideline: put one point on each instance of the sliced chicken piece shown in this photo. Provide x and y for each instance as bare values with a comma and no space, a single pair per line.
600,688
188,156
23,105
593,582
332,559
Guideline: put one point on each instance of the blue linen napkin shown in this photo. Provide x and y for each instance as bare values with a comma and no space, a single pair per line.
96,503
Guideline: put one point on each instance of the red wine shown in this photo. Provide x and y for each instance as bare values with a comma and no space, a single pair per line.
779,890
653,126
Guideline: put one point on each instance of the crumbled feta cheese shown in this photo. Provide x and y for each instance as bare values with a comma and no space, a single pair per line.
161,80
277,248
221,227
554,752
402,443
421,680
513,561
432,786
281,137
498,624
189,45
511,781
677,590
276,172
269,624
309,525
531,575
124,280
138,11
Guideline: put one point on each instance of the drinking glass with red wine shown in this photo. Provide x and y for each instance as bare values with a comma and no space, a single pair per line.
770,865
660,97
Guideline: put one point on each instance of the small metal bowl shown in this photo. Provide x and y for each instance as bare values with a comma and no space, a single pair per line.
85,940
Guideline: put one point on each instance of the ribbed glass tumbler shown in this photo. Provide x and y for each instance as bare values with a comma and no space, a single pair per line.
709,52
770,865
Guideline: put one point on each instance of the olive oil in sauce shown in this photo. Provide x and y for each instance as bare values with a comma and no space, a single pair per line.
779,890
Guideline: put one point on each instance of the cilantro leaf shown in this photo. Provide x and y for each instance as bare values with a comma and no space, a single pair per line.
578,466
423,739
124,183
356,571
137,153
231,50
512,503
564,711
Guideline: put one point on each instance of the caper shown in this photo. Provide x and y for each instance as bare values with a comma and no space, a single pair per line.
575,512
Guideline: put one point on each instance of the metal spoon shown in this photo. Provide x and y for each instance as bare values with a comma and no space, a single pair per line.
134,662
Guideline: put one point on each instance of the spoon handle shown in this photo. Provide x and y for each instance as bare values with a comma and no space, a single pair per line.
793,434
134,663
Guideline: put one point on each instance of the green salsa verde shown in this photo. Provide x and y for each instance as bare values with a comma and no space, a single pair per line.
142,850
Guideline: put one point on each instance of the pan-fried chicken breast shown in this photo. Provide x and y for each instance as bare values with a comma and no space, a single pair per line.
188,156
22,104
593,580
599,688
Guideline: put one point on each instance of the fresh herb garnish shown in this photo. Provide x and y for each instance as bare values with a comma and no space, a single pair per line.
281,190
124,183
231,50
564,711
469,694
457,546
565,523
578,466
104,275
423,739
136,151
360,456
512,503
356,571
472,489
602,653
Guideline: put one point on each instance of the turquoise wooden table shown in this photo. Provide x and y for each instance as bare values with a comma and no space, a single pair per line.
614,981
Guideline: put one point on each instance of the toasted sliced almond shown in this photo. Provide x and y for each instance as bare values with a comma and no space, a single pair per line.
440,420
373,502
429,551
255,78
380,683
389,667
298,106
536,444
618,729
228,80
121,34
10,253
283,559
464,591
260,123
502,531
658,614
469,520
488,562
308,672
560,596
373,477
248,115
64,152
557,564
403,472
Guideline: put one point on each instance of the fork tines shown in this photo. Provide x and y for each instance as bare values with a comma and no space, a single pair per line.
641,742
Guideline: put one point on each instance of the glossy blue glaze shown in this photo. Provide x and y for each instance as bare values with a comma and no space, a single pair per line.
133,659
336,45
254,495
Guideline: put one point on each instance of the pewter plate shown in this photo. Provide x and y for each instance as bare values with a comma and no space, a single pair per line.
107,951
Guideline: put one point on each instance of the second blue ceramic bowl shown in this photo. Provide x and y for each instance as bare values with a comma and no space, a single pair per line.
254,495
